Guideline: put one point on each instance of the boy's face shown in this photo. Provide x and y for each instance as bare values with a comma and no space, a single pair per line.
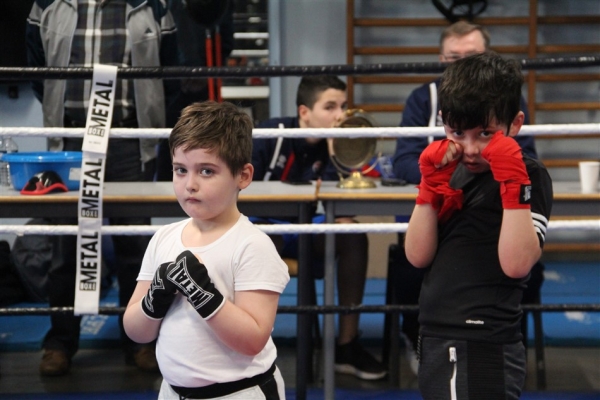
457,47
471,143
204,186
327,110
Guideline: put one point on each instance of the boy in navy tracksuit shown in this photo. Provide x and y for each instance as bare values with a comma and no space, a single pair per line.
321,102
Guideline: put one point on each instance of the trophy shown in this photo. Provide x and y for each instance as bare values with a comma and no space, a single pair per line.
350,155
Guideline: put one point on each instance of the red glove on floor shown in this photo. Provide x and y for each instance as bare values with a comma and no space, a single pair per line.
506,162
437,166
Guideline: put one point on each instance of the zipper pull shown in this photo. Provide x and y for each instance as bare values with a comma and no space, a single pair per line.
452,354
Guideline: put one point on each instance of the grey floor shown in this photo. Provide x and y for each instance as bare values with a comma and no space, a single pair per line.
103,370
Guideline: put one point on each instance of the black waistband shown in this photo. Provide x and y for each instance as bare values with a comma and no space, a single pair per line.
124,123
223,389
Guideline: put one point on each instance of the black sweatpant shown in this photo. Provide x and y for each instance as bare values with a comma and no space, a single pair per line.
466,370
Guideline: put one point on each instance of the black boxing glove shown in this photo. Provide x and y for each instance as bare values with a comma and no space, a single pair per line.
161,294
191,279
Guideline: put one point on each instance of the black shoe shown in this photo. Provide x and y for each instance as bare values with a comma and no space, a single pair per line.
142,357
352,358
54,363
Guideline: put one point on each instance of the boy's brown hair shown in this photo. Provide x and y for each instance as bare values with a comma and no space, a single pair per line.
221,128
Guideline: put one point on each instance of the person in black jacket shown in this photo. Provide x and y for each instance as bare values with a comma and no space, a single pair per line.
477,229
195,20
321,102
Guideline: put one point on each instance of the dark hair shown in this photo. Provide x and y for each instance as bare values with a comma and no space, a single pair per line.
475,89
219,127
463,28
311,87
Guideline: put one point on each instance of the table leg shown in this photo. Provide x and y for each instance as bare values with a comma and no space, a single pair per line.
329,299
303,320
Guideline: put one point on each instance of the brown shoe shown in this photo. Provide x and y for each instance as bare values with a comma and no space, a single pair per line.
54,363
145,359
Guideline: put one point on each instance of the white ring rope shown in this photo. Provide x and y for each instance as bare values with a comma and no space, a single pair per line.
389,132
586,225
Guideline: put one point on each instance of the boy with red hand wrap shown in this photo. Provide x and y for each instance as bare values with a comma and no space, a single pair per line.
506,163
437,164
477,264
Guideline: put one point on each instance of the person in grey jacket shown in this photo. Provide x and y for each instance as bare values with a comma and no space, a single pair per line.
81,33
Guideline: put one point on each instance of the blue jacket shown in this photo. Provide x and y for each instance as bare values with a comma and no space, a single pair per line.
417,112
309,162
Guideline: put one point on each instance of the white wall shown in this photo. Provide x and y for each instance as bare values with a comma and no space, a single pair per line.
24,111
312,32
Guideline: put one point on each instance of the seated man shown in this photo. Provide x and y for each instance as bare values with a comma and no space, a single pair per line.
321,102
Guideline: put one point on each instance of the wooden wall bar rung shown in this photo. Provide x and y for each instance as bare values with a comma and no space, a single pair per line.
564,163
394,51
571,247
426,50
581,106
399,22
569,136
567,20
370,107
397,79
420,79
488,21
568,48
567,77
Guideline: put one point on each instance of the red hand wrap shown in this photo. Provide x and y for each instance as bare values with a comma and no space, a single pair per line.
506,163
434,188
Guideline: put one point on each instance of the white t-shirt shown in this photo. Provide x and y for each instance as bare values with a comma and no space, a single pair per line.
244,258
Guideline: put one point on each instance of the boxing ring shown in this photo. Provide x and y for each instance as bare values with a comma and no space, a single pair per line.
329,229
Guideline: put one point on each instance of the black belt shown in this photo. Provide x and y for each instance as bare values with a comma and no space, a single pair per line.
223,389
124,123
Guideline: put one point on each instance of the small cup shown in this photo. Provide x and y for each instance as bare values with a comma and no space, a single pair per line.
589,172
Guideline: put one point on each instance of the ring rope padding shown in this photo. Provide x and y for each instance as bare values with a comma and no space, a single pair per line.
591,129
308,309
381,227
29,73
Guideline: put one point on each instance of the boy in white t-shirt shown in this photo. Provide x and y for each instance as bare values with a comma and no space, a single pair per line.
209,285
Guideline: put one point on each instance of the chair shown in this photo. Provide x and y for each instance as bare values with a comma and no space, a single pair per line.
403,288
391,324
532,295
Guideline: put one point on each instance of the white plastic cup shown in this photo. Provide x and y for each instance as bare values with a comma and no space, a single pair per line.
589,171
